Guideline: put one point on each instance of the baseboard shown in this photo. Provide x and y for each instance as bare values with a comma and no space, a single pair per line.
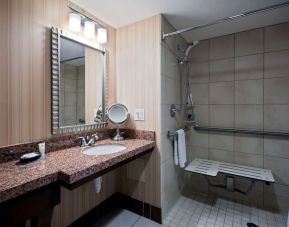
119,200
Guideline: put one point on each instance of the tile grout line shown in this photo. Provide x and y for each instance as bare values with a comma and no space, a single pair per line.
234,134
263,185
136,221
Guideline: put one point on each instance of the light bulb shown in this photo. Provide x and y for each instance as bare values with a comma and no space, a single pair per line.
101,35
89,29
74,22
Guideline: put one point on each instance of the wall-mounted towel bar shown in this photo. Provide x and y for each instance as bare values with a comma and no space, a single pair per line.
174,133
236,130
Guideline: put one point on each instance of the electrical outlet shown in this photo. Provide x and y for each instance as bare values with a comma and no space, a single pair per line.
139,115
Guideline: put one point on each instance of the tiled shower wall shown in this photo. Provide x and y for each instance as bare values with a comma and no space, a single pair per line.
242,80
72,100
171,89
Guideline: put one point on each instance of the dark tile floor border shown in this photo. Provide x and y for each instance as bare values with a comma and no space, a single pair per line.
119,200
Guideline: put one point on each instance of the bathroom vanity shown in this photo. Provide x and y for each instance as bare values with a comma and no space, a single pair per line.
37,184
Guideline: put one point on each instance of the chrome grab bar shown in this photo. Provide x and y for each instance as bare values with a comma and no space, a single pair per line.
245,131
174,133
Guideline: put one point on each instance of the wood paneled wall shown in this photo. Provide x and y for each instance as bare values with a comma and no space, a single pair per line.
79,201
25,70
25,66
25,87
138,85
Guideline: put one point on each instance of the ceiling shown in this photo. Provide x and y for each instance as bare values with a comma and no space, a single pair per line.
186,13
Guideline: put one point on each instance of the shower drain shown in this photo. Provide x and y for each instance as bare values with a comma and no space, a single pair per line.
249,224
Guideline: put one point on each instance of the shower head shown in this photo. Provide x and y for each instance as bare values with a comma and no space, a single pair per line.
191,45
187,51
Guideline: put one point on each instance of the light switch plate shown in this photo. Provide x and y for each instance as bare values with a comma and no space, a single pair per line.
139,115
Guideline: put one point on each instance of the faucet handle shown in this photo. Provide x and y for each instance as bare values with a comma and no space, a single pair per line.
95,136
83,141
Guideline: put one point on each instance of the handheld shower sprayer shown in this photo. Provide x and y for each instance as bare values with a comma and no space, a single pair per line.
191,45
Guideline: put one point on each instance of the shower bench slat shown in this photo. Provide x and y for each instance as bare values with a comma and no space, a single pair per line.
211,168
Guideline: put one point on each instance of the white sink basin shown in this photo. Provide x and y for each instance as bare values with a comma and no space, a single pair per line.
103,149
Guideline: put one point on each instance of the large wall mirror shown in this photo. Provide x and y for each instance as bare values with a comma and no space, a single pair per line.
78,84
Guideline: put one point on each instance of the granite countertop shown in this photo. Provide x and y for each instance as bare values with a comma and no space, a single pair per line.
67,166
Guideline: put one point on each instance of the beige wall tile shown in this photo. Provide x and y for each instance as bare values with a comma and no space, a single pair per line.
221,155
276,64
277,189
243,183
70,85
221,141
249,67
199,152
163,178
276,117
202,114
222,115
222,93
276,91
171,184
166,148
249,92
249,116
280,203
167,122
171,42
278,147
248,159
200,52
170,91
200,93
222,47
198,183
199,72
70,112
249,42
279,167
196,138
70,99
169,63
222,70
81,99
248,144
81,85
277,37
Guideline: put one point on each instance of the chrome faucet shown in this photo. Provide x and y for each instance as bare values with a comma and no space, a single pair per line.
88,140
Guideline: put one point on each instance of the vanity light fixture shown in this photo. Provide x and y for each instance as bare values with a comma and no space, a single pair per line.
102,35
74,22
89,29
78,19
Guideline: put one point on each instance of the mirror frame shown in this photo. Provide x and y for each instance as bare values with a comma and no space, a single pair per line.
56,34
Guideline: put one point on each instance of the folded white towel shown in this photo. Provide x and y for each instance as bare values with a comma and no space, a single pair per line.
176,156
182,151
97,184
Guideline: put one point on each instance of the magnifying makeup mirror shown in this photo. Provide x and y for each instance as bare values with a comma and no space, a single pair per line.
118,115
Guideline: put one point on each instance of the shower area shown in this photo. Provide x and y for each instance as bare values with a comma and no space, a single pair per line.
230,95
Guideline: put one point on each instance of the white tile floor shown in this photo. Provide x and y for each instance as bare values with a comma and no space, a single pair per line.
200,211
125,218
